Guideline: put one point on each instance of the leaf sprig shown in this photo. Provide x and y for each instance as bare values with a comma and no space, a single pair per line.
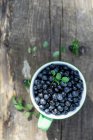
75,46
58,78
21,105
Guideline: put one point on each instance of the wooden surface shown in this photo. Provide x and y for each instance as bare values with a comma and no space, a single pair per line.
24,23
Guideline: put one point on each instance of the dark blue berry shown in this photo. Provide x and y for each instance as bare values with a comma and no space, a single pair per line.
69,84
44,78
62,104
35,88
44,86
37,99
70,95
72,108
50,78
63,94
35,92
57,104
40,75
50,90
40,95
51,108
59,87
66,73
75,100
70,99
60,108
47,111
76,79
78,86
58,113
45,91
54,96
42,82
42,102
40,90
66,89
77,104
38,86
74,88
66,108
52,103
67,103
76,73
36,82
41,107
63,84
47,105
46,97
59,97
56,90
75,93
48,83
54,111
44,72
52,66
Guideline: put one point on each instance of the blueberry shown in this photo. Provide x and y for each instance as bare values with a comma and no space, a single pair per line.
76,79
51,108
40,75
67,103
56,90
72,108
47,68
65,68
66,73
59,87
45,91
63,94
54,111
42,102
56,70
58,113
72,82
47,105
50,78
74,88
44,86
66,108
47,111
52,103
48,83
69,84
37,99
46,97
75,100
38,86
50,90
62,104
77,104
76,73
70,99
75,94
35,88
52,66
70,95
78,86
36,82
66,89
54,84
40,90
59,97
57,104
63,84
65,112
42,82
54,96
41,107
35,92
44,72
40,95
44,78
60,108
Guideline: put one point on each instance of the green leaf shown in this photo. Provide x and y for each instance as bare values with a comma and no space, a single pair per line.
53,72
58,76
65,79
19,107
36,114
28,107
28,114
34,49
27,82
56,54
14,100
56,81
29,50
45,44
19,100
75,47
63,49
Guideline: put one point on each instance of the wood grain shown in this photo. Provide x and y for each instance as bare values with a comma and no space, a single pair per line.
29,23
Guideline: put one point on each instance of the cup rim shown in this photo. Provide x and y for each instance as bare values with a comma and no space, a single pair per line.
69,114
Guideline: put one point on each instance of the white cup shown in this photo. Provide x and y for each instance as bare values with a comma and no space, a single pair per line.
51,116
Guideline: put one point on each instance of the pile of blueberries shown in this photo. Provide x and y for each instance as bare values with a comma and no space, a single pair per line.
54,98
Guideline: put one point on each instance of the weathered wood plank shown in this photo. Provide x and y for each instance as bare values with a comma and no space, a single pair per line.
77,21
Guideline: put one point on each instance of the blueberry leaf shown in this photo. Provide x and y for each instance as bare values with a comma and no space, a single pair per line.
28,107
56,54
28,114
20,100
45,44
19,107
36,114
29,50
14,100
34,49
58,76
53,72
65,79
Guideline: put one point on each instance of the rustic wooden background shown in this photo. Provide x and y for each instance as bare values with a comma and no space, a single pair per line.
24,23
